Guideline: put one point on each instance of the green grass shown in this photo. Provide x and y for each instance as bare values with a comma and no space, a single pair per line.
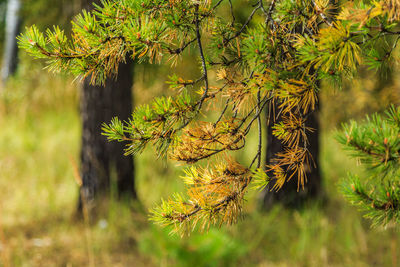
39,141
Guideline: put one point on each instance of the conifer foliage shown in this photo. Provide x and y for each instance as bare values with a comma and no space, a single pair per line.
376,143
276,57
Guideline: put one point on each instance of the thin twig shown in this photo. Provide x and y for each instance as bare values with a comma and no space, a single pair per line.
264,101
324,18
179,50
223,112
258,155
203,60
226,41
217,4
270,10
232,14
259,129
219,205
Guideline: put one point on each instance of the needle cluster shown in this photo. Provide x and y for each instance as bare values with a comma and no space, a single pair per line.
376,143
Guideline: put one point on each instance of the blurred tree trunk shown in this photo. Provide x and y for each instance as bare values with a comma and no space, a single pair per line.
102,160
10,59
289,195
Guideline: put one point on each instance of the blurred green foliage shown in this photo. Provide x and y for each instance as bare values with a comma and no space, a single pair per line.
39,142
38,11
3,4
367,93
46,13
215,248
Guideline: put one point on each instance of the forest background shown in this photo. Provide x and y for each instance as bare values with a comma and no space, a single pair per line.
39,154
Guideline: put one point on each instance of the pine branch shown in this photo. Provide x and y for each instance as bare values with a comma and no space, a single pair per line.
281,60
375,141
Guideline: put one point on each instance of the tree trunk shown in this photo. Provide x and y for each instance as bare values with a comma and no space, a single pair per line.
289,195
98,156
101,159
11,49
120,95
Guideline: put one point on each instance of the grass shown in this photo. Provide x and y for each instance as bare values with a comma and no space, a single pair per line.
39,138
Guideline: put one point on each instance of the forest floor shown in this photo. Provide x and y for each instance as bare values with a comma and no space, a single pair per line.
39,144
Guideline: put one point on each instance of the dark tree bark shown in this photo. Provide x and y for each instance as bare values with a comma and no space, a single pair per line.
121,107
101,159
289,195
10,58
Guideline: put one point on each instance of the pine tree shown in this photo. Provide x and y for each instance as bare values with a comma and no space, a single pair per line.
376,143
276,58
